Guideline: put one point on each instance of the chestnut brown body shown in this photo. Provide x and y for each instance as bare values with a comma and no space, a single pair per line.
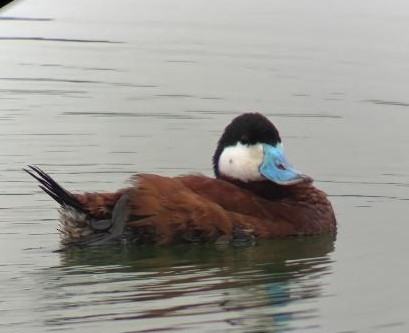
163,210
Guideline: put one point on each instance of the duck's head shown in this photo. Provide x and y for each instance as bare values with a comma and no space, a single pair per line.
250,150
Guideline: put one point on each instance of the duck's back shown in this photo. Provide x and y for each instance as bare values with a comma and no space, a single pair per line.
195,207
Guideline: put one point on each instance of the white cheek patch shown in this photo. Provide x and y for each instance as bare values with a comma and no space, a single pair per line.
242,162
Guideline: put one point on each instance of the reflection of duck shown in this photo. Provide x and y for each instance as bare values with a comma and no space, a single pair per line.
256,193
269,287
285,286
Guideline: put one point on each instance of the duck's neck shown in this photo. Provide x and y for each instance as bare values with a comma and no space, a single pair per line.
265,188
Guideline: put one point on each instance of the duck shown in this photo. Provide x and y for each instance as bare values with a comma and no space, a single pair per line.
255,193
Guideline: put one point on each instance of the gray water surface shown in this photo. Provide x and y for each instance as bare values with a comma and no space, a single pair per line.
94,91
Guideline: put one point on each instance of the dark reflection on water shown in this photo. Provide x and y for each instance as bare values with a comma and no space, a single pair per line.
382,102
43,39
13,18
270,286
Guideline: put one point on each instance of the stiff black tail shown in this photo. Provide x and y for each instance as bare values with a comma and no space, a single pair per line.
55,191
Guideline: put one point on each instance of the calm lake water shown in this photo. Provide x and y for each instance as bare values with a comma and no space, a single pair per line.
93,91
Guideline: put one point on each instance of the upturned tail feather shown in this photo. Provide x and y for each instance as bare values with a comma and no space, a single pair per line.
82,217
54,190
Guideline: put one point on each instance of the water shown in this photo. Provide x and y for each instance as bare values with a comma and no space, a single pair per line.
93,92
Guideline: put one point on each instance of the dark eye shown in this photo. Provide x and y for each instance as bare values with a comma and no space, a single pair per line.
280,165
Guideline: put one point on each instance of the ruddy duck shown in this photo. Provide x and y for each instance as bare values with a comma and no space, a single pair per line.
256,193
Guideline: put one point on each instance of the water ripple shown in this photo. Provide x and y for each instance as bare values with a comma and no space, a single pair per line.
52,80
55,39
15,18
382,102
251,288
